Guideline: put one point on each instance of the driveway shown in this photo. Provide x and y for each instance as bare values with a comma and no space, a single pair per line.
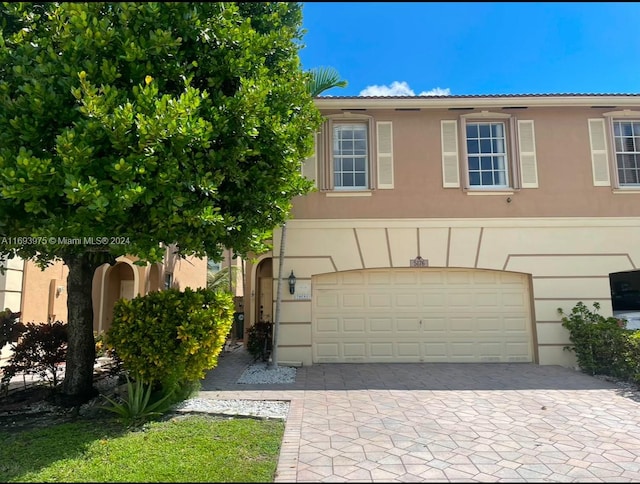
428,422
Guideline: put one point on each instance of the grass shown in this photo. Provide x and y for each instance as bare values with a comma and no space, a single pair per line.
184,449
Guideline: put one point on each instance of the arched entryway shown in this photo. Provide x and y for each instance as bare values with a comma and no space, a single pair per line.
154,278
264,290
119,282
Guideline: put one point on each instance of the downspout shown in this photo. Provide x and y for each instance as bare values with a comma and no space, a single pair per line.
276,321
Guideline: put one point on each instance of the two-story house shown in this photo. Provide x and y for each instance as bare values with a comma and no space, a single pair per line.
451,229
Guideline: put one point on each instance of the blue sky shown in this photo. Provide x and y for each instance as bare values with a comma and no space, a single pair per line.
459,48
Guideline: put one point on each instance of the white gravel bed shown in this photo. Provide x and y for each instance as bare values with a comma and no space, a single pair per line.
263,373
253,408
254,374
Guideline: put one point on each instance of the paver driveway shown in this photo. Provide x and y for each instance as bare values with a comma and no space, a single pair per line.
446,422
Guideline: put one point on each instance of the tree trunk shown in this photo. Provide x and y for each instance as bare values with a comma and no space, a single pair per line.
77,387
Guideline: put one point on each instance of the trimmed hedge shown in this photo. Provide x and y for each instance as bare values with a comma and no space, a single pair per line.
171,337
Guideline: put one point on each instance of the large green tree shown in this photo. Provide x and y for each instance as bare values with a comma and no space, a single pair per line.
148,124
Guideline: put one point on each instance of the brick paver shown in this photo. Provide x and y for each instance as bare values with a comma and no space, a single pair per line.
446,422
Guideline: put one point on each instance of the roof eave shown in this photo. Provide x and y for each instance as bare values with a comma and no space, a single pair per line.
444,102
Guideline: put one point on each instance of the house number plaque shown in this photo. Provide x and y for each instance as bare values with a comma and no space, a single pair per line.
418,262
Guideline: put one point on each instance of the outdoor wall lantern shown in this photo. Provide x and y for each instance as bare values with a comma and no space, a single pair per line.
292,283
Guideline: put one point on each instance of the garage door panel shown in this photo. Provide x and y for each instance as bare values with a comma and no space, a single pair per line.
405,278
407,301
356,350
353,277
327,350
458,300
434,352
377,301
381,325
433,301
490,348
491,325
434,315
463,326
518,325
486,299
430,278
456,277
463,350
354,325
409,350
328,326
408,325
486,277
350,300
513,300
381,350
328,299
436,323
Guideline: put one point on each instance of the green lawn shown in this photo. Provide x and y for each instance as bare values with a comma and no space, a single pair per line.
184,449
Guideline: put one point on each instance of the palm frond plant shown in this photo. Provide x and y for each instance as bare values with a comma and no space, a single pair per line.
219,281
322,79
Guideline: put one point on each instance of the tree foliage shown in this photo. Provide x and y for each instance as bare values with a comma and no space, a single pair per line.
124,126
157,122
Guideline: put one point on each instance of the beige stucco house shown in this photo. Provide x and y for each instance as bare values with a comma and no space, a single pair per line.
451,229
40,295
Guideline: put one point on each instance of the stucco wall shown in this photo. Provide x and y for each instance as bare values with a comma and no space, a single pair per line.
569,260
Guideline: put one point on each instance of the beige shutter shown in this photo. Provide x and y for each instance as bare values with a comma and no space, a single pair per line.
528,163
450,164
310,165
599,156
384,136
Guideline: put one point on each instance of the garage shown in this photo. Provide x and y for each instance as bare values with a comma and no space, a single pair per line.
421,315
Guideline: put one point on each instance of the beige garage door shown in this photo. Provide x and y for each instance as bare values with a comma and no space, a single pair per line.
421,315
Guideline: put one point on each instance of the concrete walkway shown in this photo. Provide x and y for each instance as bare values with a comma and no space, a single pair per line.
445,422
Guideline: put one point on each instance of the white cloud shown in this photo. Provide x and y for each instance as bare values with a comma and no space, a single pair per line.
401,89
436,91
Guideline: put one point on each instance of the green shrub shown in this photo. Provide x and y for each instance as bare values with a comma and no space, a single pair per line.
602,345
170,338
41,347
634,356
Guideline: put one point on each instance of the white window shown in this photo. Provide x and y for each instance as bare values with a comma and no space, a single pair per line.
352,153
626,137
496,152
487,155
350,156
615,149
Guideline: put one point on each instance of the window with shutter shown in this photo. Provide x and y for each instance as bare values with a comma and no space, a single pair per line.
599,158
310,165
626,138
497,152
615,150
385,154
353,153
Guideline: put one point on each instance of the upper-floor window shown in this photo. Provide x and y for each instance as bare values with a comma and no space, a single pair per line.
626,137
353,155
614,140
487,154
350,156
